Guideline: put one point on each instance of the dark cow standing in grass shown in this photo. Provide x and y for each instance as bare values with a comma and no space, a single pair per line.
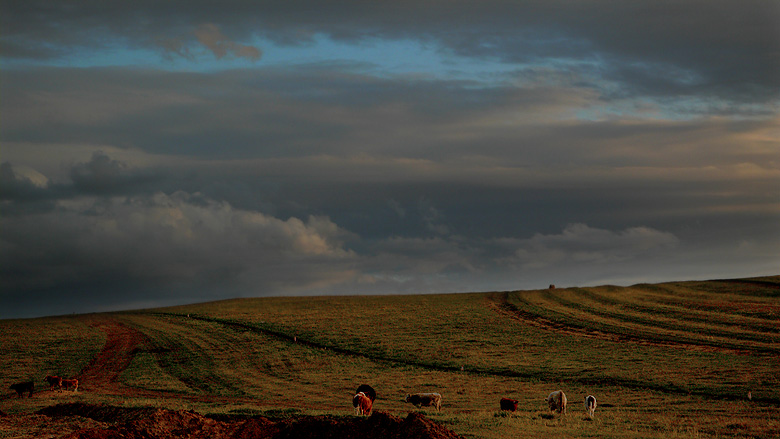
67,384
509,404
20,388
424,400
54,381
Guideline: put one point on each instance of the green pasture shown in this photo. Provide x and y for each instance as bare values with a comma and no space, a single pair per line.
33,348
666,360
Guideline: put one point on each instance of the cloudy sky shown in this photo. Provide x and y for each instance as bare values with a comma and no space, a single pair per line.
157,153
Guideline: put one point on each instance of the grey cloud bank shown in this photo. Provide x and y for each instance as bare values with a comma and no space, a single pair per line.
598,143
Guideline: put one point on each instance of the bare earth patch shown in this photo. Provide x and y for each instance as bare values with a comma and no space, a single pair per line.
108,422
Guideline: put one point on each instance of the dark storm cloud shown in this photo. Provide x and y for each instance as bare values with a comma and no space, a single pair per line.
103,176
623,142
722,48
277,113
122,248
184,244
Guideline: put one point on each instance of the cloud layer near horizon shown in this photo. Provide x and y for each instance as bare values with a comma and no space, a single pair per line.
163,156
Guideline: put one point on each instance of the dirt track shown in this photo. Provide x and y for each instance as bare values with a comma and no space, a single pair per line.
102,373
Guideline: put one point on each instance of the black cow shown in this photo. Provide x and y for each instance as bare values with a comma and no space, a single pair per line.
27,386
368,390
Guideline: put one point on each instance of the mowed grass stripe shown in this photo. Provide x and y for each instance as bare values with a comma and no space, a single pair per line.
229,361
203,358
567,313
663,317
658,326
654,303
751,302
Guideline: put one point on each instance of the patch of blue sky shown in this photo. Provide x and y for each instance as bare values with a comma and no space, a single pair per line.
388,58
377,57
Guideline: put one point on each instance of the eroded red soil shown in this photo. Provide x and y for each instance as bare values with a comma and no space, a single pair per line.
102,374
159,423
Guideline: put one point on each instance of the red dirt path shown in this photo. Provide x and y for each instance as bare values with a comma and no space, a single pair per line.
102,373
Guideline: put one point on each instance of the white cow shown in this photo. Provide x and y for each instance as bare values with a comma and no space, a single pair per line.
557,402
425,400
590,405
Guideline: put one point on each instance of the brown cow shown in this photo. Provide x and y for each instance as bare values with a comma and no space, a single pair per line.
509,404
557,402
27,386
54,381
70,383
425,400
362,404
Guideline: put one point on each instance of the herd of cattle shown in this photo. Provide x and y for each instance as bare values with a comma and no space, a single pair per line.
54,381
363,401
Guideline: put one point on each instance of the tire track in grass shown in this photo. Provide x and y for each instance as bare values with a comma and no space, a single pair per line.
677,331
651,303
606,331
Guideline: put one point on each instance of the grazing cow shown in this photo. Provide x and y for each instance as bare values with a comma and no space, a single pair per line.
368,390
557,402
362,404
509,404
590,405
425,400
54,381
67,384
552,286
27,386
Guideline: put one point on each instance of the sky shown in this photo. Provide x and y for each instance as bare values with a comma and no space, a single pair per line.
158,153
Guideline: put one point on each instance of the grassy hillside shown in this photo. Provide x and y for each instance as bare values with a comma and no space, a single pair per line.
665,360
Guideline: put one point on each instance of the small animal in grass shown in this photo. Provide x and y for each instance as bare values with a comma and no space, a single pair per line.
67,384
54,382
508,404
